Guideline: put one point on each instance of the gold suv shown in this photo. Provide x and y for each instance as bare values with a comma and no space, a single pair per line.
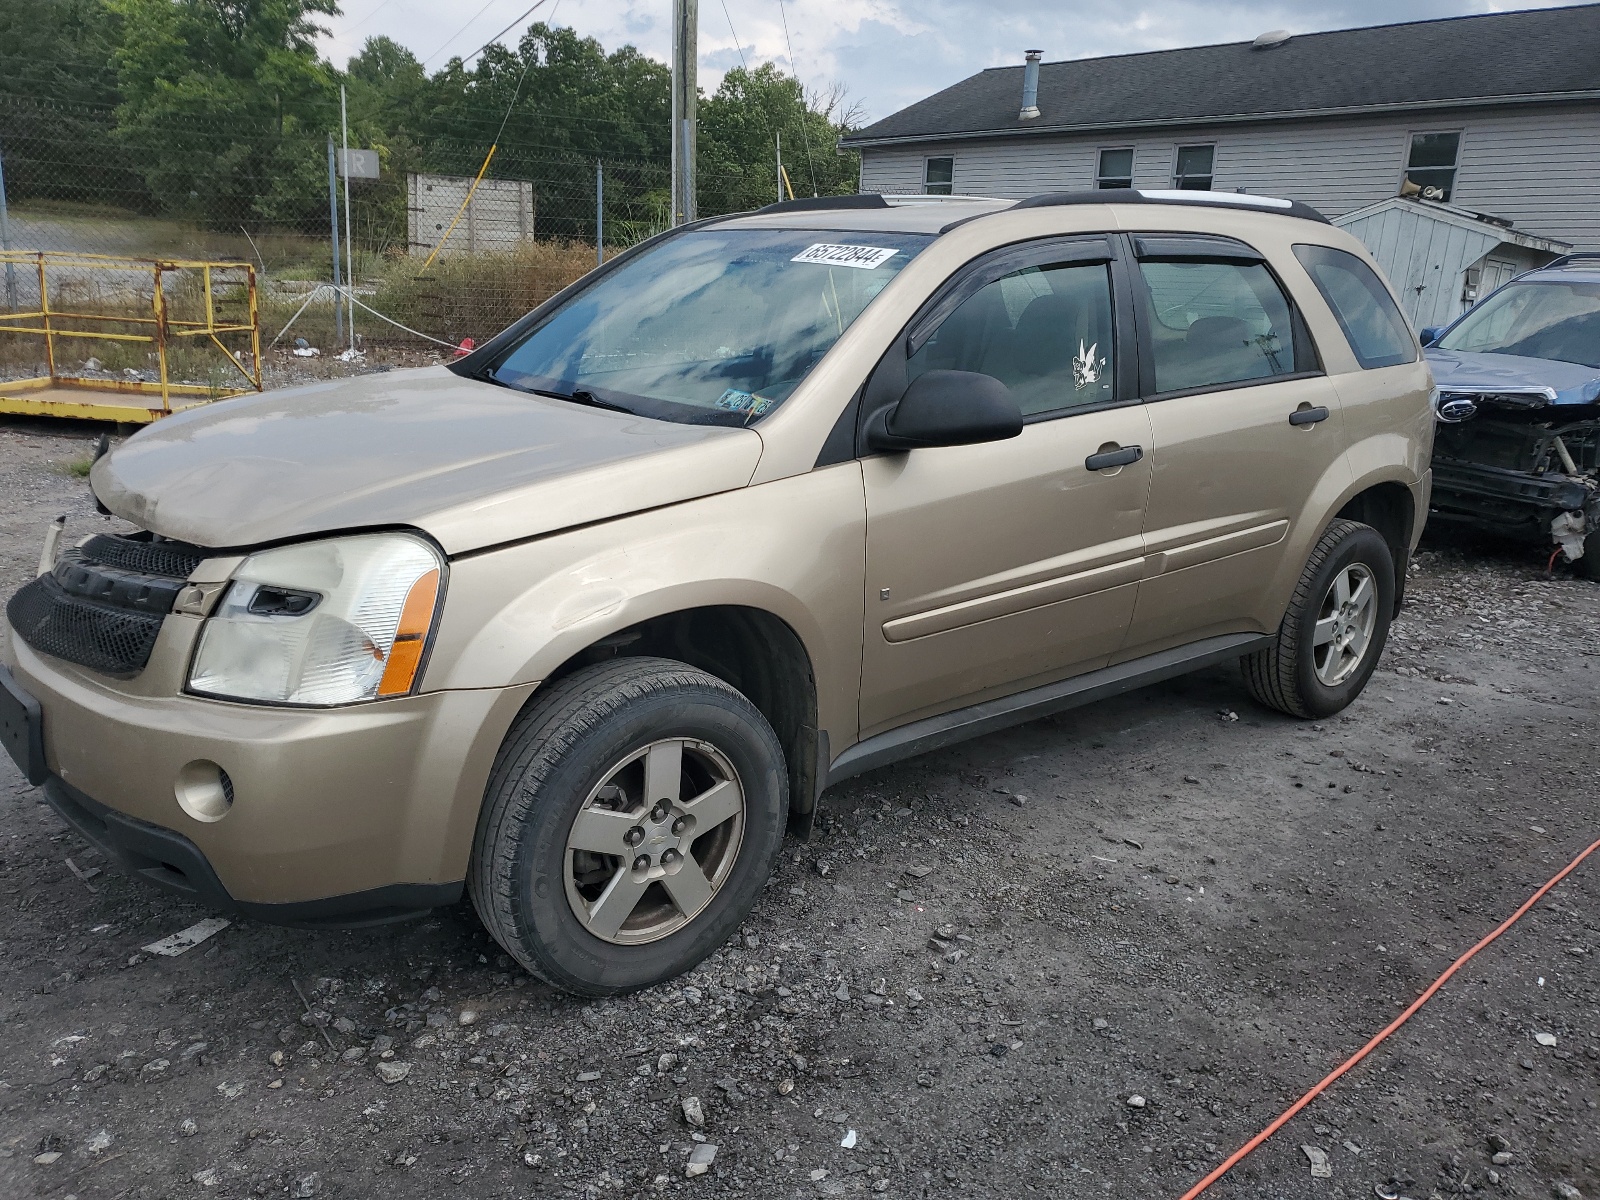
584,621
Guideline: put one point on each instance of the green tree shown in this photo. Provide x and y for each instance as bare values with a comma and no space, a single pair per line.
58,95
739,128
563,102
226,105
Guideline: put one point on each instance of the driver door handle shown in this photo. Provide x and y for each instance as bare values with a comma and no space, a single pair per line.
1107,459
1308,416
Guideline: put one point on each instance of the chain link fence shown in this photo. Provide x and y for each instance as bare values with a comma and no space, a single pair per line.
434,253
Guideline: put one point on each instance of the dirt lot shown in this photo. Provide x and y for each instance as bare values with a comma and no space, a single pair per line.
1087,957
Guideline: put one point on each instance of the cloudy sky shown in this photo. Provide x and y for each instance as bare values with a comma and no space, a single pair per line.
885,53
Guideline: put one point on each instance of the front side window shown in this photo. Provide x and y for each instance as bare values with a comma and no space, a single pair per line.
1431,165
1372,324
1556,320
1192,172
1217,323
1043,331
713,327
1115,169
938,176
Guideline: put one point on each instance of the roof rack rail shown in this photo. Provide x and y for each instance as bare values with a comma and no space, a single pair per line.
821,203
903,198
1288,208
1576,256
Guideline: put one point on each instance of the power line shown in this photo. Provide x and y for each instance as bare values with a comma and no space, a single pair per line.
736,44
804,110
487,5
509,28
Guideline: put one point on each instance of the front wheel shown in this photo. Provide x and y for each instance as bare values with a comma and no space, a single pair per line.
1589,565
631,820
1333,634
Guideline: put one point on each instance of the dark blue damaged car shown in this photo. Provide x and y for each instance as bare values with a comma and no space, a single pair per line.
1517,449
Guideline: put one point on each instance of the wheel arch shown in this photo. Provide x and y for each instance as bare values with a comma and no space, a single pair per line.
1389,506
749,648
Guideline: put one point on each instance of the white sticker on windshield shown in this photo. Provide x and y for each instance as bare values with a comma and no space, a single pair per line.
865,257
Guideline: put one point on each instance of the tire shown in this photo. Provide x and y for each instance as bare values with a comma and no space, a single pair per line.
594,743
1589,565
1295,674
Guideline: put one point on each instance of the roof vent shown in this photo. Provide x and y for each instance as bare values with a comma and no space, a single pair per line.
1030,85
1271,39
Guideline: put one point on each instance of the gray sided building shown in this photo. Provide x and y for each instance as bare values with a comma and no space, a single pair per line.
1495,114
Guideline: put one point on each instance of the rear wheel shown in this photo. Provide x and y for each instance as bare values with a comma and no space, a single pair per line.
1334,631
630,823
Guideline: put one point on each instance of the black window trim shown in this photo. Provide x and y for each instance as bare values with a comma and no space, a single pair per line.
1142,302
979,273
888,379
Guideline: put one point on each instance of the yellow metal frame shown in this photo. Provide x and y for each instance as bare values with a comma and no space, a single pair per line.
158,330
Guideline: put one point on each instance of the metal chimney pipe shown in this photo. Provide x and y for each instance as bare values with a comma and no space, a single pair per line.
1030,86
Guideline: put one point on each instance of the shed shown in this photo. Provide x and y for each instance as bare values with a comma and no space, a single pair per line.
1441,258
499,216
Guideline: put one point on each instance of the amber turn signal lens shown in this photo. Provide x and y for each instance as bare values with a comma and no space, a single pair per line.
405,656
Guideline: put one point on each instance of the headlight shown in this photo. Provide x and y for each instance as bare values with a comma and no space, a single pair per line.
329,622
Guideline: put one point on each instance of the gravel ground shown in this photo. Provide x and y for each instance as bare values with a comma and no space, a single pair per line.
1089,956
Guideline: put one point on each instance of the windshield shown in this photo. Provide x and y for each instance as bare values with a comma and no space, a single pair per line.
717,326
1536,320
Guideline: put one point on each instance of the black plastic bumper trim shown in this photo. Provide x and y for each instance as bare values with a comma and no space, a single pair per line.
171,861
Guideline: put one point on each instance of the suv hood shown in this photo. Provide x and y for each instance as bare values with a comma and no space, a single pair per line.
1458,370
470,463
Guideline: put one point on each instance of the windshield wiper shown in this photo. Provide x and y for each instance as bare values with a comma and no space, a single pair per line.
577,396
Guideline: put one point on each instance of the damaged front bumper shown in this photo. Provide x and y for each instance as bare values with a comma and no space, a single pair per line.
1511,469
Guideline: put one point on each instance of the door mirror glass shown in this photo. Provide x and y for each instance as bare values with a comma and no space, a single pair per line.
947,408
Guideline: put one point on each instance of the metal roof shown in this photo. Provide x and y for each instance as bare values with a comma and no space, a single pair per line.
1538,56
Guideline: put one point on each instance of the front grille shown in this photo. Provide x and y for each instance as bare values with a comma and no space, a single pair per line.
172,560
103,604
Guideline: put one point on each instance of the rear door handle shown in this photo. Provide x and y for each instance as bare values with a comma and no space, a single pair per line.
1308,416
1107,459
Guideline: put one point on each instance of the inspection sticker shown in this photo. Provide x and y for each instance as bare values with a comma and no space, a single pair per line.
864,257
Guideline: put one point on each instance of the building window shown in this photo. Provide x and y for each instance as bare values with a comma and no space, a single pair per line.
1116,169
1431,165
1193,170
938,176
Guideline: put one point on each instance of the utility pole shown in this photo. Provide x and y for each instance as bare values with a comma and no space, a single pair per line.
349,248
5,241
777,141
333,219
599,213
685,97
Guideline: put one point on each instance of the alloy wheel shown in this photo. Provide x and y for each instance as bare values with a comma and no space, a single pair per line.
1345,622
654,841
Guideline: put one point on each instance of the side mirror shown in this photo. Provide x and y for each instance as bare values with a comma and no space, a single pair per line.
1430,335
947,408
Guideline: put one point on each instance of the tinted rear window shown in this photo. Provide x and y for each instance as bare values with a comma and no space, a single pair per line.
1372,324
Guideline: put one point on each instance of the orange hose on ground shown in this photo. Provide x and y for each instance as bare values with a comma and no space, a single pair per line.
1288,1114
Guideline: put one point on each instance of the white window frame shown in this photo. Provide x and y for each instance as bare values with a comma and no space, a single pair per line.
1099,153
1177,181
1405,164
926,184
